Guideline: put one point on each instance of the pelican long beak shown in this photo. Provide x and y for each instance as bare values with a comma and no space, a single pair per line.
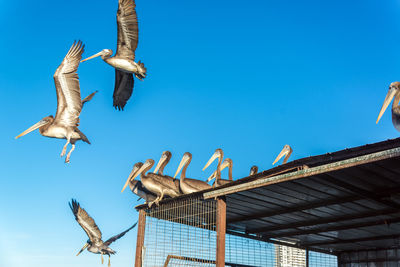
32,128
388,99
134,173
212,176
181,164
95,55
160,162
84,247
286,151
211,160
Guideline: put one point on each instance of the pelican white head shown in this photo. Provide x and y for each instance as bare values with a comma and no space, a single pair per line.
187,157
105,53
135,169
393,89
41,123
286,151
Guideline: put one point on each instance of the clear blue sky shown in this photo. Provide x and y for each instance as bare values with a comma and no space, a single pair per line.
245,76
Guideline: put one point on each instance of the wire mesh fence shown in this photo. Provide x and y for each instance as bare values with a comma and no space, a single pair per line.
183,233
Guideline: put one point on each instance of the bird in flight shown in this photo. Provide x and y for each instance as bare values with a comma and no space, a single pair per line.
69,103
124,60
94,244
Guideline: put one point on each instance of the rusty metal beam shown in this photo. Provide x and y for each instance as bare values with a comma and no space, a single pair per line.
264,181
140,238
333,228
221,230
319,221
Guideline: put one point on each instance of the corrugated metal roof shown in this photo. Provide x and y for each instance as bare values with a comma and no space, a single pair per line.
344,201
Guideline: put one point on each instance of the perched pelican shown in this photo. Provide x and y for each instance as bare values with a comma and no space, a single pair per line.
253,170
165,158
217,154
94,243
394,92
137,187
157,184
123,60
189,185
69,103
286,151
218,182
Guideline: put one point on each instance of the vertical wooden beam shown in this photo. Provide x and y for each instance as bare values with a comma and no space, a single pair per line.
140,238
221,230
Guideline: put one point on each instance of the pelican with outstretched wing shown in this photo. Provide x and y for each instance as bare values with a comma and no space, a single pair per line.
94,243
123,60
69,103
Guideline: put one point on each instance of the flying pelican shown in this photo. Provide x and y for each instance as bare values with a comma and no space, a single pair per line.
189,185
157,184
165,158
286,151
94,243
69,103
218,182
123,60
394,92
137,187
253,170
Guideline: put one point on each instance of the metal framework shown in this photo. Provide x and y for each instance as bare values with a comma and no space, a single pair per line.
343,209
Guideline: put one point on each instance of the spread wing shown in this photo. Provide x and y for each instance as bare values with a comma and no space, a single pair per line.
116,237
86,222
123,89
128,30
69,103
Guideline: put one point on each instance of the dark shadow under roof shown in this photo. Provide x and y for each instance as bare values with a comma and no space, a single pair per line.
343,201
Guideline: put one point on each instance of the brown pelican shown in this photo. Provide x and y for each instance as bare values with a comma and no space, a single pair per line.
69,103
218,182
286,151
189,185
217,154
157,184
165,158
253,170
137,187
394,92
94,243
123,60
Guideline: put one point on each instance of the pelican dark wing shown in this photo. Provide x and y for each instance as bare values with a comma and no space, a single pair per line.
69,103
86,222
116,237
128,30
123,88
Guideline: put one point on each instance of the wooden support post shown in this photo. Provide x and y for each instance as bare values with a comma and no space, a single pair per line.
221,230
140,238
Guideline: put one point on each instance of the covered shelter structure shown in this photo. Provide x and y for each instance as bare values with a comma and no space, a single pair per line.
336,209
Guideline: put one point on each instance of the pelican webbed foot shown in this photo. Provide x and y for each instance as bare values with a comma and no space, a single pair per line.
65,148
69,153
141,71
102,260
